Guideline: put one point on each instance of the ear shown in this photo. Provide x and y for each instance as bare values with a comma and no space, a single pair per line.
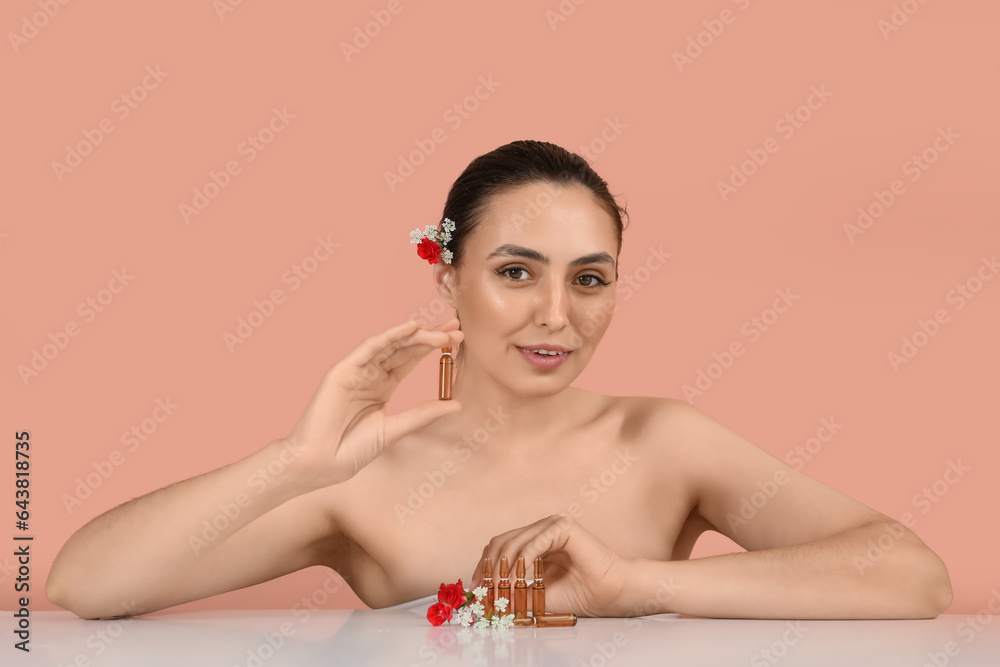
446,282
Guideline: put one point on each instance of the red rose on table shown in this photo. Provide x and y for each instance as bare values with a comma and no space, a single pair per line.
429,250
439,613
452,595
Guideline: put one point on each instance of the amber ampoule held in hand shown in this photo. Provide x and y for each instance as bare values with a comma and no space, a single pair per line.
445,375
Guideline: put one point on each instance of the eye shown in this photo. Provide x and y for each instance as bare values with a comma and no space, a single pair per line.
595,281
520,270
519,274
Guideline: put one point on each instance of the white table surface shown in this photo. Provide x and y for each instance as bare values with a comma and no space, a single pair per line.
404,637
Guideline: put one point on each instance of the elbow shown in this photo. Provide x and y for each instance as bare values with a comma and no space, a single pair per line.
55,588
56,592
915,581
60,594
65,594
938,587
943,601
60,587
930,584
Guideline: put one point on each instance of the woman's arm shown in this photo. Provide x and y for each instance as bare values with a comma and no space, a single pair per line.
812,552
257,518
225,529
821,579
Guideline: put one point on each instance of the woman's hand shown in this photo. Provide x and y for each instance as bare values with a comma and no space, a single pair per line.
582,574
345,426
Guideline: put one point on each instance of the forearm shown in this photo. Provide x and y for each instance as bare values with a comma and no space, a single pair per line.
878,570
128,553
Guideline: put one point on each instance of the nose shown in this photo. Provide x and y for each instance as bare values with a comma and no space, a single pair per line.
552,304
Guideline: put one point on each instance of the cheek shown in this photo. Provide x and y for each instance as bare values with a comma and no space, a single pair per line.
490,300
594,317
488,309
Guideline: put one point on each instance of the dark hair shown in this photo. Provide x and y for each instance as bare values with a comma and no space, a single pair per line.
511,166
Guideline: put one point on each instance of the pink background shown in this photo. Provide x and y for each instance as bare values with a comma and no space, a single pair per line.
679,131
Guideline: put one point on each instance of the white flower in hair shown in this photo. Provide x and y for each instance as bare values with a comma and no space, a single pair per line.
432,242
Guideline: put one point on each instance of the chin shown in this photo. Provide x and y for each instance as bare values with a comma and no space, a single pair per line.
543,384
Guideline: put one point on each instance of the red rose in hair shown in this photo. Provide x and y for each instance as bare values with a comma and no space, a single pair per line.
429,250
439,613
452,595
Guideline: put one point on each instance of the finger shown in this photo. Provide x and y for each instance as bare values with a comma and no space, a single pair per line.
567,544
417,417
549,534
553,536
402,361
451,324
531,541
397,349
501,545
382,345
416,346
432,337
370,346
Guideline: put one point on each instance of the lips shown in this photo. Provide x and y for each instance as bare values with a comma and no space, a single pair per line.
544,361
550,348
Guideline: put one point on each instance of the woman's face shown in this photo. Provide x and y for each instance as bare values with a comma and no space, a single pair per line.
538,273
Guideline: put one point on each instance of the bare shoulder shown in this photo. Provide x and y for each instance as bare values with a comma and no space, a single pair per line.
660,430
653,410
688,440
676,425
677,437
656,422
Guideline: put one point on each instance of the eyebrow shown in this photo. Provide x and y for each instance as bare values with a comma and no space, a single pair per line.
511,250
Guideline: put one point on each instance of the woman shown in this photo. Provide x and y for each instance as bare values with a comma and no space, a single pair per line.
612,491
